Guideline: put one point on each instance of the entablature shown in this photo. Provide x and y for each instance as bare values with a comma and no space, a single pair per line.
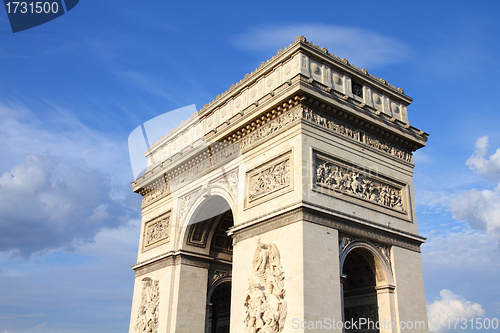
323,70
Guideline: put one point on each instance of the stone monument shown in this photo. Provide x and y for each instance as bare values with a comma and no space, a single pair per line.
284,205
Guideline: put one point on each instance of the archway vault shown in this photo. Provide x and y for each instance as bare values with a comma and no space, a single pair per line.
367,285
206,235
382,261
204,203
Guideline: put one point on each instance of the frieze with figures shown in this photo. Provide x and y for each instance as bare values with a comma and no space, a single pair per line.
354,182
269,178
347,130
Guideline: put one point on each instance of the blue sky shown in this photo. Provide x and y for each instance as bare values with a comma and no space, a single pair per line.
73,89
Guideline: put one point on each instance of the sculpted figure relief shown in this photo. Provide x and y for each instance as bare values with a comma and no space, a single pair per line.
147,318
352,182
270,179
338,126
265,304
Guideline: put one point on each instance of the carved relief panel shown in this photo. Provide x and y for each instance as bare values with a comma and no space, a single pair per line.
270,179
331,174
148,314
156,232
265,304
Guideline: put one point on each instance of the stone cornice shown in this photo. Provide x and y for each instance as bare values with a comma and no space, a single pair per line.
368,120
383,136
270,90
175,258
301,42
347,224
300,57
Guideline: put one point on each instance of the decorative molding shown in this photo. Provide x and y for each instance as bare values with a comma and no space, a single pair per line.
156,232
190,170
341,222
352,181
254,229
154,191
222,152
148,314
345,240
229,180
269,124
155,265
270,178
342,128
259,131
170,259
348,227
214,275
266,307
185,203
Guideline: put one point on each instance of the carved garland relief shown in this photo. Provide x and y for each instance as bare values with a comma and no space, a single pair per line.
354,182
147,317
265,304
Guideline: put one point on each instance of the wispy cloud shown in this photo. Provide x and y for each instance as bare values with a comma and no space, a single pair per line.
58,132
361,47
97,276
470,248
148,84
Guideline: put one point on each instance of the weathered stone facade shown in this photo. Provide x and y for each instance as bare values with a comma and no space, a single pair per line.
273,194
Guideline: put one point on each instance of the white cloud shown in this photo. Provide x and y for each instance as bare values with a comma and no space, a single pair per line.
435,200
361,47
97,276
448,308
484,166
61,182
480,208
48,203
453,247
58,132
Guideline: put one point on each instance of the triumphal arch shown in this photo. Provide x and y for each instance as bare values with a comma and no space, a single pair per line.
284,205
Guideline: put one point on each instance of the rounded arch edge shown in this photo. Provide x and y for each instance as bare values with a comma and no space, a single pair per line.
381,263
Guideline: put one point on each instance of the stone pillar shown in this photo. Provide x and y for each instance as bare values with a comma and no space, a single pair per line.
386,308
189,299
309,259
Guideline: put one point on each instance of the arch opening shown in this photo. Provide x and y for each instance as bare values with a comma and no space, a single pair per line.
219,308
208,232
359,292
